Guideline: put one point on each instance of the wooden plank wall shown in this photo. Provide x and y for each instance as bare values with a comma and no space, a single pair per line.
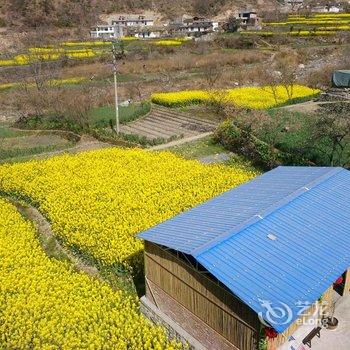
218,308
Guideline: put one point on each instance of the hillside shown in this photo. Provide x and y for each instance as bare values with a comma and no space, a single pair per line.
67,13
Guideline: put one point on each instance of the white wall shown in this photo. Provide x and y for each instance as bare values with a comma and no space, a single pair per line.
107,31
135,23
148,35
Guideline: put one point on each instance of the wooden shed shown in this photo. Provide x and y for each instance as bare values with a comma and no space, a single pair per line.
215,273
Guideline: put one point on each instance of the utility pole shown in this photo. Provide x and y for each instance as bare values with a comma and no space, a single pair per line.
114,52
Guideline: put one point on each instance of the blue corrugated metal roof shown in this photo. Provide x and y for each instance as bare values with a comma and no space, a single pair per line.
307,209
191,230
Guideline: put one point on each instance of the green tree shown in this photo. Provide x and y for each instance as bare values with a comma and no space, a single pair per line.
233,24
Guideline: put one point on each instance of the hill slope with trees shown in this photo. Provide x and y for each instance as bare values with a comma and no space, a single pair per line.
68,13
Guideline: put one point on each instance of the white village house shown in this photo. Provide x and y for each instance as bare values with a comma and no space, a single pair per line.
118,27
147,32
133,21
299,4
105,31
143,27
327,9
193,26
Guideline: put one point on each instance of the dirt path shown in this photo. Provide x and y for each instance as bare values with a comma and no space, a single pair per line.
54,249
309,106
216,158
87,143
180,142
49,243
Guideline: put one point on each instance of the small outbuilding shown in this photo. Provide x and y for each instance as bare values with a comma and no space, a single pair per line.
341,79
247,269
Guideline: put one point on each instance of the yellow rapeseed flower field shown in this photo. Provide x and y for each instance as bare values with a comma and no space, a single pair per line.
249,97
303,33
81,50
97,201
86,43
52,82
338,21
129,38
44,304
167,43
171,42
7,86
68,81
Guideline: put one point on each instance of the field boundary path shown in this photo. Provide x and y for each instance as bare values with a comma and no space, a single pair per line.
180,142
310,106
49,243
166,123
86,143
53,248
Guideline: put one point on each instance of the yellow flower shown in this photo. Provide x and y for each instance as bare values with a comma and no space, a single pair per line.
167,43
98,201
45,305
249,97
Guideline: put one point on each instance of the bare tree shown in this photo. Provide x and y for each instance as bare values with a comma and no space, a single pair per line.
134,89
287,65
41,66
281,71
212,74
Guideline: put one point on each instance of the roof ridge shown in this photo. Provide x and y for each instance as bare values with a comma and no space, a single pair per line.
269,210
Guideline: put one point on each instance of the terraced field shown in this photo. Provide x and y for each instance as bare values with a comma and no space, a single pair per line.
165,123
17,144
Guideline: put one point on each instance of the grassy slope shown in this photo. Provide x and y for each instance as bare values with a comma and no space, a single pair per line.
17,152
197,149
101,116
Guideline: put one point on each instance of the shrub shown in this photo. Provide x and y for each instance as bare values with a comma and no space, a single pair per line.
244,143
281,137
235,42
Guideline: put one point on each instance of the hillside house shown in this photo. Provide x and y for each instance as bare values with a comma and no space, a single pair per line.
194,26
295,4
105,31
327,9
133,21
120,27
279,242
147,32
248,19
